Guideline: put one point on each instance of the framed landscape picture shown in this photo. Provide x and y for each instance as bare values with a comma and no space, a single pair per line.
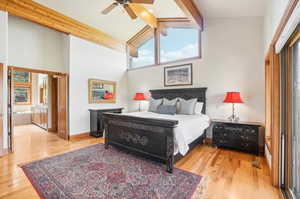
181,75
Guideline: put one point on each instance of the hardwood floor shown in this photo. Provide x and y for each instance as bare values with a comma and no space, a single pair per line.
230,174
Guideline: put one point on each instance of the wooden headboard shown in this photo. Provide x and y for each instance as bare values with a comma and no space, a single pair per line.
184,93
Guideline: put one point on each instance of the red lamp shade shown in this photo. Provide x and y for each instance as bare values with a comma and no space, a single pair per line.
139,96
108,96
233,97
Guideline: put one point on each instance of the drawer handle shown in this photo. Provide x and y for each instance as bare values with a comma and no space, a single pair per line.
245,144
245,137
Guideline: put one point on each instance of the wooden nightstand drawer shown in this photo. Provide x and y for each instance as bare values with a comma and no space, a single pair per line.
238,136
249,146
223,142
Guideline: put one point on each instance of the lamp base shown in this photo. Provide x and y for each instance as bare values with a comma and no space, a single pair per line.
234,118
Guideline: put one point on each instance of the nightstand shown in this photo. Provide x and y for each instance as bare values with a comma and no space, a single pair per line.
242,136
96,124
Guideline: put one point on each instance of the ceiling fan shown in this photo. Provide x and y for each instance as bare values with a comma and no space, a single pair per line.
134,10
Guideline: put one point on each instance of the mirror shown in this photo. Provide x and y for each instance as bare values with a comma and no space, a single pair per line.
101,91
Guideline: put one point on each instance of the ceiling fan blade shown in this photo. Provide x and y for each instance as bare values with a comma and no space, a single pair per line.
142,1
144,14
109,8
129,11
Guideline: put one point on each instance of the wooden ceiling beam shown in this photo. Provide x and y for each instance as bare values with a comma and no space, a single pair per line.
144,14
191,11
45,16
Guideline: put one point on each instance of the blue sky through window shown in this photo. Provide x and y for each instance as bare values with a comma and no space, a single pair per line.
180,43
146,55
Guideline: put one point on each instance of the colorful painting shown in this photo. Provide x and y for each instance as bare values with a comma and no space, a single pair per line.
101,91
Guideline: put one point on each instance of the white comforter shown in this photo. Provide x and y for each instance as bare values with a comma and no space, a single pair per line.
189,128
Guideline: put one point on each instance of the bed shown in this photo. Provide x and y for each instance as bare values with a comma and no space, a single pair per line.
159,137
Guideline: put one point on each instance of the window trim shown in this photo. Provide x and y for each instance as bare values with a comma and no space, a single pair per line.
26,85
156,36
165,63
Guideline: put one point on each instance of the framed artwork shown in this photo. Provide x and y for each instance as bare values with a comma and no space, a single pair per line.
22,87
101,91
180,75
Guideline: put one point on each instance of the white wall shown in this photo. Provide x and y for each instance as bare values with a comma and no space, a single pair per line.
3,60
274,12
3,36
232,60
89,60
34,46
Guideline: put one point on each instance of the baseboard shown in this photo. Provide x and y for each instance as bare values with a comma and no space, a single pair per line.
3,152
79,136
52,130
208,141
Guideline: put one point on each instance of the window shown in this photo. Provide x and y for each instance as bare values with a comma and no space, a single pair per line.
145,55
290,114
178,44
173,40
22,87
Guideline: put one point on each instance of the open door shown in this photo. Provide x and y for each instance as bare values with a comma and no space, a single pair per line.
62,105
1,110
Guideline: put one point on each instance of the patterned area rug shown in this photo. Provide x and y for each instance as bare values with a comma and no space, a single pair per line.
94,172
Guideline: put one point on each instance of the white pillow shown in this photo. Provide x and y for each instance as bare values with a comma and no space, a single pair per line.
154,104
170,102
198,108
187,107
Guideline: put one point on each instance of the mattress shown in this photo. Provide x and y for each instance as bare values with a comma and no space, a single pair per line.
189,128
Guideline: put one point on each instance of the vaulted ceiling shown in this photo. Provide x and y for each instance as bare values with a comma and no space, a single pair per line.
231,8
118,24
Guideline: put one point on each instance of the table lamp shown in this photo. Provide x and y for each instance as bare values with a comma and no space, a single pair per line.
233,97
139,97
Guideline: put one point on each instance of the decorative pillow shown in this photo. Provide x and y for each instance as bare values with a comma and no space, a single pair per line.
167,109
154,104
187,107
198,108
170,102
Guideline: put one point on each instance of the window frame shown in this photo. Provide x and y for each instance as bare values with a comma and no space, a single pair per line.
25,85
129,62
157,50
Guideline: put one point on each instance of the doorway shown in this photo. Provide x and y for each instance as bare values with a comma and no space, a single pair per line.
37,100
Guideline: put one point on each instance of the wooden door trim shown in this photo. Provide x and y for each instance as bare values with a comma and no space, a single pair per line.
1,111
289,117
36,70
276,99
54,104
